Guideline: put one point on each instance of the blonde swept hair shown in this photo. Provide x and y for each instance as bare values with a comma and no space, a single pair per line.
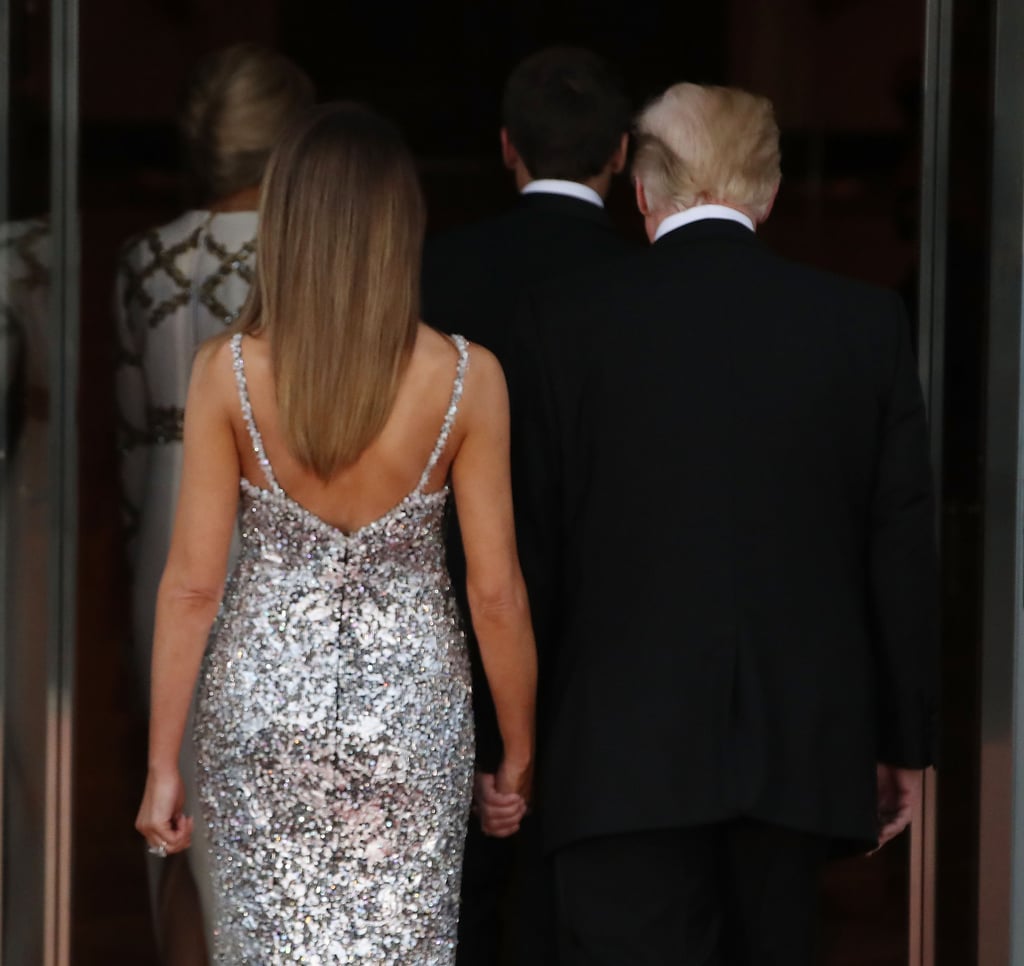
339,243
700,145
236,105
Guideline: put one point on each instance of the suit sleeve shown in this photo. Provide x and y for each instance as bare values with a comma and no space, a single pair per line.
536,484
903,579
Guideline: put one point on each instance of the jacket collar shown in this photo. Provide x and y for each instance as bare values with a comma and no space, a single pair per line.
708,229
543,201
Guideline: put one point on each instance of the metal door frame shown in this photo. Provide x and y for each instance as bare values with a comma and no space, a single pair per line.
61,489
934,224
1001,848
63,459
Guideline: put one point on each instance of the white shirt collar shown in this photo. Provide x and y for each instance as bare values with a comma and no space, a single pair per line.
699,213
571,189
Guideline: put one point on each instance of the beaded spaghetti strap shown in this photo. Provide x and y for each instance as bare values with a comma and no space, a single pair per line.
449,417
243,396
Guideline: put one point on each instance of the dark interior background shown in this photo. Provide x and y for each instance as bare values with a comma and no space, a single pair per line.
845,76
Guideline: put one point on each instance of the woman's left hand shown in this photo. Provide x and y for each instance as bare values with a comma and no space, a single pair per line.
162,820
500,813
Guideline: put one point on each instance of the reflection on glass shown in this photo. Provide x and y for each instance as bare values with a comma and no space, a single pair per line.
25,272
24,302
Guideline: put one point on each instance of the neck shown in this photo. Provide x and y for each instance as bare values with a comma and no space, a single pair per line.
601,183
653,219
248,199
652,222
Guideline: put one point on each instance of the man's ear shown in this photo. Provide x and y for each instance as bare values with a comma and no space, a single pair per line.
618,159
771,204
641,198
509,154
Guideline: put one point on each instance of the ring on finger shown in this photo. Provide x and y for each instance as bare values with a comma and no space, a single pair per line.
159,850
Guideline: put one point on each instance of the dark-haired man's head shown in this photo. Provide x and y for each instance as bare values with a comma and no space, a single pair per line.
565,116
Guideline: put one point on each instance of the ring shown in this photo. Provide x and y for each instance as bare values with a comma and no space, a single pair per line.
160,851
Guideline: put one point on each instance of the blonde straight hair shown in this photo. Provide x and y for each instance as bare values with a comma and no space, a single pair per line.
339,244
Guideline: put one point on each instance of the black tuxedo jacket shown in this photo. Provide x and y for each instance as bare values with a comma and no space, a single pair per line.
729,500
474,279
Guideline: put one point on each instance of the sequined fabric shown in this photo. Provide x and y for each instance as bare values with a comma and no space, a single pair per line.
334,733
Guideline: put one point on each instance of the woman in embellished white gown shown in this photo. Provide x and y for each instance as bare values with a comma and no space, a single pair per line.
333,725
178,285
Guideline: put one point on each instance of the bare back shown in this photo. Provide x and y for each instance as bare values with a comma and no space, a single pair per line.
389,468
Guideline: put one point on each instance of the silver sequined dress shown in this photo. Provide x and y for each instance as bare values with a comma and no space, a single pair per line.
334,733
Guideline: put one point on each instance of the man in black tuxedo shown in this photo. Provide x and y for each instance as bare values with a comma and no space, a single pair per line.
732,477
564,137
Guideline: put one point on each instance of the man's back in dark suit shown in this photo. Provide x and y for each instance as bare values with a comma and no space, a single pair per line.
474,280
566,122
739,532
726,470
474,277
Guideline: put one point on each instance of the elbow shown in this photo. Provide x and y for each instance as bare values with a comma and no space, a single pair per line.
501,603
191,597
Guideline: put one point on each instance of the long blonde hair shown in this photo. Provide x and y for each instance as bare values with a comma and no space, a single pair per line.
338,275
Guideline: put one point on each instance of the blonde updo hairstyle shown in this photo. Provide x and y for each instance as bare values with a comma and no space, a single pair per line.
238,102
708,145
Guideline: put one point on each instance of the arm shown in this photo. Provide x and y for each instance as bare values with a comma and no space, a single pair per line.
904,592
903,568
190,589
497,595
535,475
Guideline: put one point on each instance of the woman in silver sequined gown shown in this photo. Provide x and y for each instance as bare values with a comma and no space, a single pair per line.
177,285
333,725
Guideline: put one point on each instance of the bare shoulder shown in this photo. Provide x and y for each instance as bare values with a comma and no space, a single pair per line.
213,367
213,356
483,367
485,363
484,389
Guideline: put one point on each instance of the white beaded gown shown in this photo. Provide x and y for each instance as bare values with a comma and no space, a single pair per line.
334,732
177,286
